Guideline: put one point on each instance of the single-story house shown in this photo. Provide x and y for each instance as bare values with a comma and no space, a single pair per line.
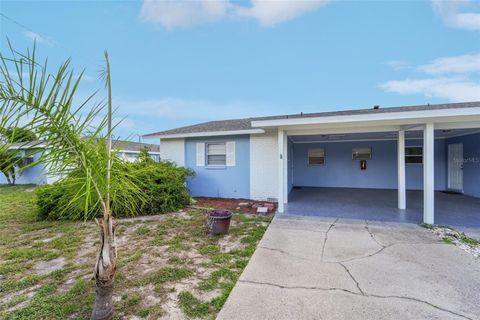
39,174
364,156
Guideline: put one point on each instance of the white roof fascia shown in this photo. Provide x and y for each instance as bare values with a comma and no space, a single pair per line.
35,146
137,151
415,116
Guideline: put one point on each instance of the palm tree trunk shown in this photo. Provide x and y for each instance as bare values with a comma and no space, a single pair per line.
105,271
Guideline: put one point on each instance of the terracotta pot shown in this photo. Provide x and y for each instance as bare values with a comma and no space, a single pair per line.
219,221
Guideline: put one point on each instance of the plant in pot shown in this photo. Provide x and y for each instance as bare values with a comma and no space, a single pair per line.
218,221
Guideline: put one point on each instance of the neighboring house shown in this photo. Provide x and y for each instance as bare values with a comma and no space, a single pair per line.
430,147
39,174
130,150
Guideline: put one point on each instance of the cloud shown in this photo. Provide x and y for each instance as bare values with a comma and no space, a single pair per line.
452,89
171,13
468,63
454,13
37,37
451,78
183,13
270,13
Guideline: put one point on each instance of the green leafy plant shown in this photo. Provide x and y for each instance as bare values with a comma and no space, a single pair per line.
79,149
162,184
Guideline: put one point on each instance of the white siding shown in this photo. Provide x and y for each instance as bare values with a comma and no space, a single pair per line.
173,150
263,166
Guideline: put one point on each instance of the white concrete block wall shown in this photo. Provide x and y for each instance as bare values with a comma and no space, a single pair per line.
264,166
173,150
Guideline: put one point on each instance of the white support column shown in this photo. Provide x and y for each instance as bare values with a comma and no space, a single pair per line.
281,165
285,168
402,193
428,173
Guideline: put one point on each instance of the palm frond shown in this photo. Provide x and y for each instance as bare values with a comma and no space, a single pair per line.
76,135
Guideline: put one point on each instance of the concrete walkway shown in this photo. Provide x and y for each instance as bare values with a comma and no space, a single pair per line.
320,268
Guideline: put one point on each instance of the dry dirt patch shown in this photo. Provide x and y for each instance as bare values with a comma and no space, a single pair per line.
168,268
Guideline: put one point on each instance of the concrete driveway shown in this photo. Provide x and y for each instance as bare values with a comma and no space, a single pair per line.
318,268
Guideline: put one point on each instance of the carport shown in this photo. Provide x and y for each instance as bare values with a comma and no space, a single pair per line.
327,179
392,164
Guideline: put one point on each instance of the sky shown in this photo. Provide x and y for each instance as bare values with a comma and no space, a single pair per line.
177,63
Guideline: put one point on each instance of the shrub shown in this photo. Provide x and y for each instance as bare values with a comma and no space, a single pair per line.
163,186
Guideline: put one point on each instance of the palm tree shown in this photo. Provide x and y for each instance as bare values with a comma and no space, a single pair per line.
79,149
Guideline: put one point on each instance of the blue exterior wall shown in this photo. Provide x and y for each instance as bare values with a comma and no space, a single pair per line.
471,166
33,175
224,182
290,166
414,172
341,171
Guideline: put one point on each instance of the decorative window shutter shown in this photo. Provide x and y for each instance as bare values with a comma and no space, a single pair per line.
230,146
200,154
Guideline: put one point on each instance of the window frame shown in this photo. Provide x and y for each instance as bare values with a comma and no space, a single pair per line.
362,158
28,160
207,164
316,164
409,156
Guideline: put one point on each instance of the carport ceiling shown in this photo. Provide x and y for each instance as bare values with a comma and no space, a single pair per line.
379,135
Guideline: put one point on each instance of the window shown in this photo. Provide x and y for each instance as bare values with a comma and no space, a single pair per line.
130,156
316,157
216,154
362,153
413,155
27,161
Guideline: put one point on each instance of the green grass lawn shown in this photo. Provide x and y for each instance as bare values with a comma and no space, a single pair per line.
167,266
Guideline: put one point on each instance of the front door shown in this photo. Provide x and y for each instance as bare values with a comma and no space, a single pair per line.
455,167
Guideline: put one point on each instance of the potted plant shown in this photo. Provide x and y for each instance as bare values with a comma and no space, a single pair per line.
218,221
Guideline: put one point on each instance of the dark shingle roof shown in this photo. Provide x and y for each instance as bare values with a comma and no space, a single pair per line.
134,146
220,125
245,124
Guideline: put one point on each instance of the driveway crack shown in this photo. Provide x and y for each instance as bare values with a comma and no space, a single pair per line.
362,294
353,278
367,256
420,301
371,235
270,284
326,238
284,252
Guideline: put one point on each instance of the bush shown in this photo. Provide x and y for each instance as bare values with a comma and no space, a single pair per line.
163,186
51,200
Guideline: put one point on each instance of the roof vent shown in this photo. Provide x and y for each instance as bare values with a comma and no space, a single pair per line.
376,107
